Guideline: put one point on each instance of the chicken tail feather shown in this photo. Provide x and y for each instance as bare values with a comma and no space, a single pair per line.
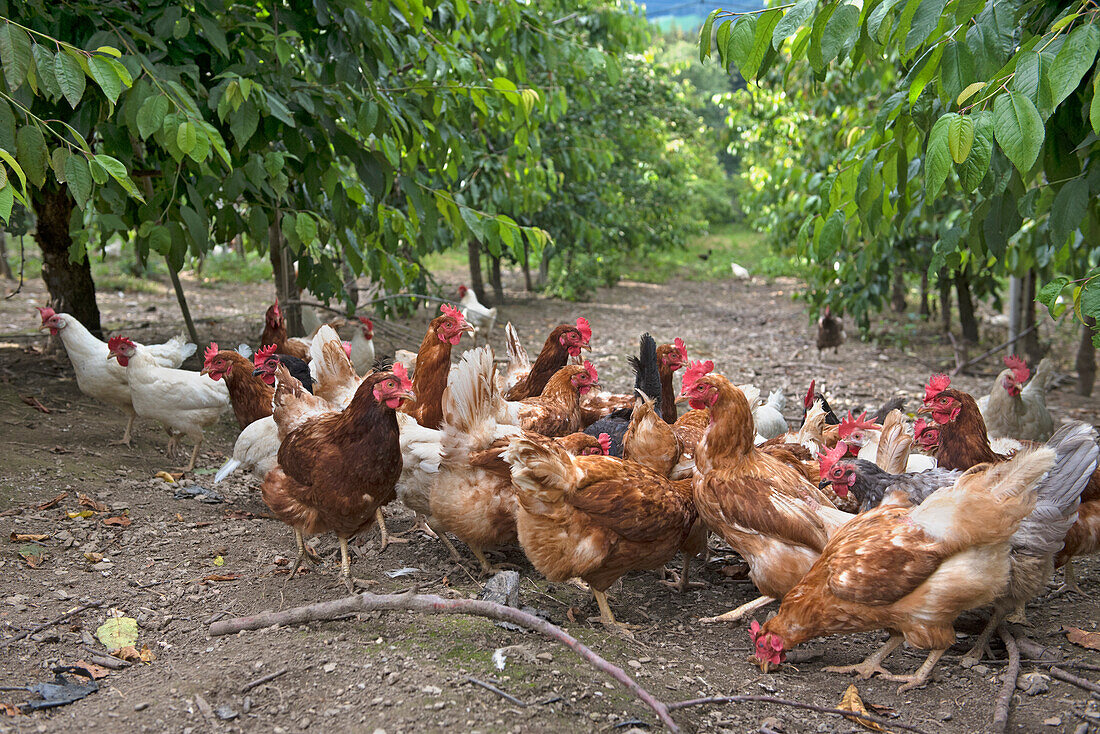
541,473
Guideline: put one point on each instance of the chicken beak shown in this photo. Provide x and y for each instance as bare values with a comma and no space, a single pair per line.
682,398
823,484
44,327
586,347
111,356
407,395
924,410
257,372
204,371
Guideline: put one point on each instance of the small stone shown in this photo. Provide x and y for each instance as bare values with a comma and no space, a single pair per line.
1033,683
246,704
104,565
634,664
225,713
1053,721
141,706
545,656
431,690
945,714
329,667
772,723
980,669
304,722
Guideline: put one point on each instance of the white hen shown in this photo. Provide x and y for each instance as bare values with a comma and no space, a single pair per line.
480,317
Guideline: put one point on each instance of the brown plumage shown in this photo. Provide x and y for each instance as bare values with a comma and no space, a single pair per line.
251,396
433,363
338,468
275,333
764,507
596,517
557,411
596,405
554,356
670,358
830,331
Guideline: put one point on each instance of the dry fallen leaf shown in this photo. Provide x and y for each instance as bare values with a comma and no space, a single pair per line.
852,702
91,504
54,502
96,671
219,561
33,402
179,517
32,554
165,476
572,613
1091,640
93,557
119,522
222,577
25,537
9,710
118,632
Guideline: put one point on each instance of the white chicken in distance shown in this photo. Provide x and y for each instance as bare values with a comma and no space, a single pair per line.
481,318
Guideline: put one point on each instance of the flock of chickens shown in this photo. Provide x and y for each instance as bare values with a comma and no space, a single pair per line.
853,524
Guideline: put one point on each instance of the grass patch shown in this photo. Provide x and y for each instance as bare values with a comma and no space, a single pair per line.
450,260
708,257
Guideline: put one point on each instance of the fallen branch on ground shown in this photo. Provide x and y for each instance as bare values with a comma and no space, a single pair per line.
960,366
493,689
1008,686
55,620
432,604
794,704
1088,685
263,679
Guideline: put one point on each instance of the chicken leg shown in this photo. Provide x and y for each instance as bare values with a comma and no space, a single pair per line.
1069,582
487,566
303,554
345,566
679,581
974,655
194,456
920,677
125,440
740,612
873,663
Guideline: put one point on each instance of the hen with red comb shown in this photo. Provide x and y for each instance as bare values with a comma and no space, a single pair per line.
1017,410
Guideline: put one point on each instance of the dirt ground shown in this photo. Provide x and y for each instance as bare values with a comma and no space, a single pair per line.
404,672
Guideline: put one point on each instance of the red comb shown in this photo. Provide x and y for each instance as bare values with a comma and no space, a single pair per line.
678,344
605,443
831,457
276,310
696,370
402,374
808,401
1020,372
449,310
936,385
591,370
261,356
462,291
366,322
46,313
919,427
115,343
347,348
584,329
210,353
754,630
850,424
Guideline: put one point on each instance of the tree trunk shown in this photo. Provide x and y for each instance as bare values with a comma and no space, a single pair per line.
544,268
945,300
897,295
5,268
527,284
494,280
1031,346
286,288
967,321
70,283
351,286
473,249
1086,359
925,312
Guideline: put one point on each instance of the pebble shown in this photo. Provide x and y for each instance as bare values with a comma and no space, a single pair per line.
980,669
141,706
329,667
772,723
1053,721
634,663
1033,683
431,690
225,713
545,656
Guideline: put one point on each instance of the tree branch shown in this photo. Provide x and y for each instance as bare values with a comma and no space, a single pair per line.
432,604
1008,686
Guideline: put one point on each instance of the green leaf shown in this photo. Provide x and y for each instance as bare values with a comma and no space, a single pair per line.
117,170
831,233
792,21
721,41
877,16
185,137
473,221
1049,293
105,76
956,70
969,92
1068,209
30,149
117,633
1073,61
1094,108
1019,129
960,137
160,239
928,67
7,201
44,66
838,32
110,51
58,159
7,127
214,34
150,115
244,122
1090,299
99,173
762,40
1032,79
70,77
981,153
740,43
937,157
306,228
15,54
705,36
925,20
78,178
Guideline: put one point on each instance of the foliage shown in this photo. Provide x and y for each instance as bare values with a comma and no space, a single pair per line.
955,134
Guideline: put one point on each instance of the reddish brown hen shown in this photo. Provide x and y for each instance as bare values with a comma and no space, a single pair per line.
250,395
565,341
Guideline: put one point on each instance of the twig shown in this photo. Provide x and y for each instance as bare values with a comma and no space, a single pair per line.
986,354
503,694
263,679
432,604
1088,685
795,704
107,661
1008,685
52,622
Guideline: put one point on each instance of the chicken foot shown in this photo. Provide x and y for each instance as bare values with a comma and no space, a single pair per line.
125,440
1069,582
679,581
607,618
387,537
303,555
487,567
873,663
922,674
740,612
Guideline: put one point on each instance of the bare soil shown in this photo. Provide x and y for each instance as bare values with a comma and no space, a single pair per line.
405,672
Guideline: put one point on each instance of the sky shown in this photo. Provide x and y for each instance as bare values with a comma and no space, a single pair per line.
657,9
